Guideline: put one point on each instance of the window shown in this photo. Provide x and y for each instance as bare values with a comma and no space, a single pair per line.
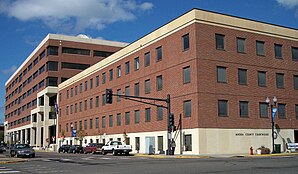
219,39
41,84
159,113
52,50
111,74
41,69
97,80
137,89
118,119
127,90
221,74
86,85
240,45
147,114
103,78
118,93
127,67
137,63
243,108
103,122
127,118
111,121
119,71
35,88
187,108
85,105
147,59
29,79
159,83
52,66
102,53
71,109
261,78
77,66
242,76
80,107
281,110
71,92
263,110
278,51
147,86
91,103
96,122
35,61
76,90
188,142
295,53
91,123
222,108
103,99
260,48
280,80
295,77
186,74
97,101
91,83
81,88
75,51
296,111
29,67
185,42
137,116
159,53
85,124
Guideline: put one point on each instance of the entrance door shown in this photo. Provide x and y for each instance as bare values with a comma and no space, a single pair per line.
296,136
150,145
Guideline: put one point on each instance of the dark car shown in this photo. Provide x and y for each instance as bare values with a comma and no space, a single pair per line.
75,149
22,150
93,148
64,148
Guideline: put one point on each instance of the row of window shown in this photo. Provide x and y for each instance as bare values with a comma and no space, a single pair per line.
20,121
260,47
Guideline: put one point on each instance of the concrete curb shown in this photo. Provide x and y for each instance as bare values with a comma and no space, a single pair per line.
170,156
13,161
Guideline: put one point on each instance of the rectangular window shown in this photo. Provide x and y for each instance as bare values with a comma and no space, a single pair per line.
137,116
91,123
85,105
76,66
296,111
159,53
103,122
261,78
52,50
187,108
127,90
185,42
91,103
102,53
294,53
263,110
295,79
159,83
52,66
75,51
103,99
127,67
220,41
147,86
41,69
71,92
35,61
118,93
111,74
85,124
76,108
147,114
242,76
96,122
281,110
86,85
280,80
97,101
137,63
160,144
91,83
260,48
103,78
111,121
147,59
278,51
137,89
222,108
159,113
119,119
186,74
97,80
221,74
80,106
127,118
76,90
81,88
243,108
240,45
119,71
188,142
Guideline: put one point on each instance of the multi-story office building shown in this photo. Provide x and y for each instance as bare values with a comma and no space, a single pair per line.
218,70
31,91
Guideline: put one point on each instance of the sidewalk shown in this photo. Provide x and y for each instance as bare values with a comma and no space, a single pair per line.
6,159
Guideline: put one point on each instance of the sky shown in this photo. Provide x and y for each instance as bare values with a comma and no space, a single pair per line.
24,23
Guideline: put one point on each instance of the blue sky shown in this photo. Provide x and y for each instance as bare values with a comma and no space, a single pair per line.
24,23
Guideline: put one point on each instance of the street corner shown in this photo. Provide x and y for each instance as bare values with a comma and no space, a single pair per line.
12,160
150,156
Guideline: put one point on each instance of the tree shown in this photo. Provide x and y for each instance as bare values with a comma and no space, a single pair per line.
80,135
125,137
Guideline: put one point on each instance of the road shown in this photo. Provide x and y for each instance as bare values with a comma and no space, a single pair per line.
98,164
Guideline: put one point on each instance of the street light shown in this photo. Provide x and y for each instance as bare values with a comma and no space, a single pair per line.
273,109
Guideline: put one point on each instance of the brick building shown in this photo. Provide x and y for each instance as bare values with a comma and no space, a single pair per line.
218,70
31,91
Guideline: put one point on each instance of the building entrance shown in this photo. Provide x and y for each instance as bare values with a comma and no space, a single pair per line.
296,136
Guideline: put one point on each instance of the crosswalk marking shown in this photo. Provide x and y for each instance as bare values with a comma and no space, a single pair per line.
4,170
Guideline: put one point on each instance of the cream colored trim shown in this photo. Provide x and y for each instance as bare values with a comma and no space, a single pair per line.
187,19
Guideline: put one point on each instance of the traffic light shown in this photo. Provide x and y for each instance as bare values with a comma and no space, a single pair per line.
172,120
109,96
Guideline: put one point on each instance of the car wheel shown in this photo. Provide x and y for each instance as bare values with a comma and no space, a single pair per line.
33,156
114,152
126,153
103,152
63,151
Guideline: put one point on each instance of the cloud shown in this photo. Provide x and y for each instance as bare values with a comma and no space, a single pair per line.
288,3
10,70
74,15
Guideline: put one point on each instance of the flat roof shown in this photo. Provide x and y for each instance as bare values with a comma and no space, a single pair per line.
192,16
66,38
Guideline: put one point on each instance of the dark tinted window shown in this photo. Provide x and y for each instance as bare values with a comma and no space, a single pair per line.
240,45
53,50
295,53
260,48
280,80
102,53
75,51
221,74
219,39
242,76
185,42
263,110
52,66
222,108
68,65
243,108
261,78
278,51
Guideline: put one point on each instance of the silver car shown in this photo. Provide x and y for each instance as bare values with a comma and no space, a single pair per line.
22,150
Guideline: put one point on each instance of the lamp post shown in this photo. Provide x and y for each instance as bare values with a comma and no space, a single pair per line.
273,109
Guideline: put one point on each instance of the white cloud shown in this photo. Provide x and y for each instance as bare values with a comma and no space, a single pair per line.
288,3
74,15
10,70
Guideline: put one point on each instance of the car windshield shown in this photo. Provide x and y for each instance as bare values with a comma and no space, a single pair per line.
22,146
116,143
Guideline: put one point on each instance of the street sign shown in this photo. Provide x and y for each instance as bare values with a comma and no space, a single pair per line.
274,110
74,133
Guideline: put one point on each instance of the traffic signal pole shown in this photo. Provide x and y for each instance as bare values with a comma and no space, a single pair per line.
169,133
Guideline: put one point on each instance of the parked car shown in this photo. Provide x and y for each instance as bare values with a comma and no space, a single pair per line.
2,149
22,150
93,148
116,147
64,148
76,149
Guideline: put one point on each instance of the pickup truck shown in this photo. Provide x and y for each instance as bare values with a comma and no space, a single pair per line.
116,147
93,148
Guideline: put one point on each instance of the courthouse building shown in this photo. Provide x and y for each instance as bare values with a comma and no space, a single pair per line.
31,91
218,70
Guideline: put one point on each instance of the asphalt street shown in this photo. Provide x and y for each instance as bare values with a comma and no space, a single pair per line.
108,164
